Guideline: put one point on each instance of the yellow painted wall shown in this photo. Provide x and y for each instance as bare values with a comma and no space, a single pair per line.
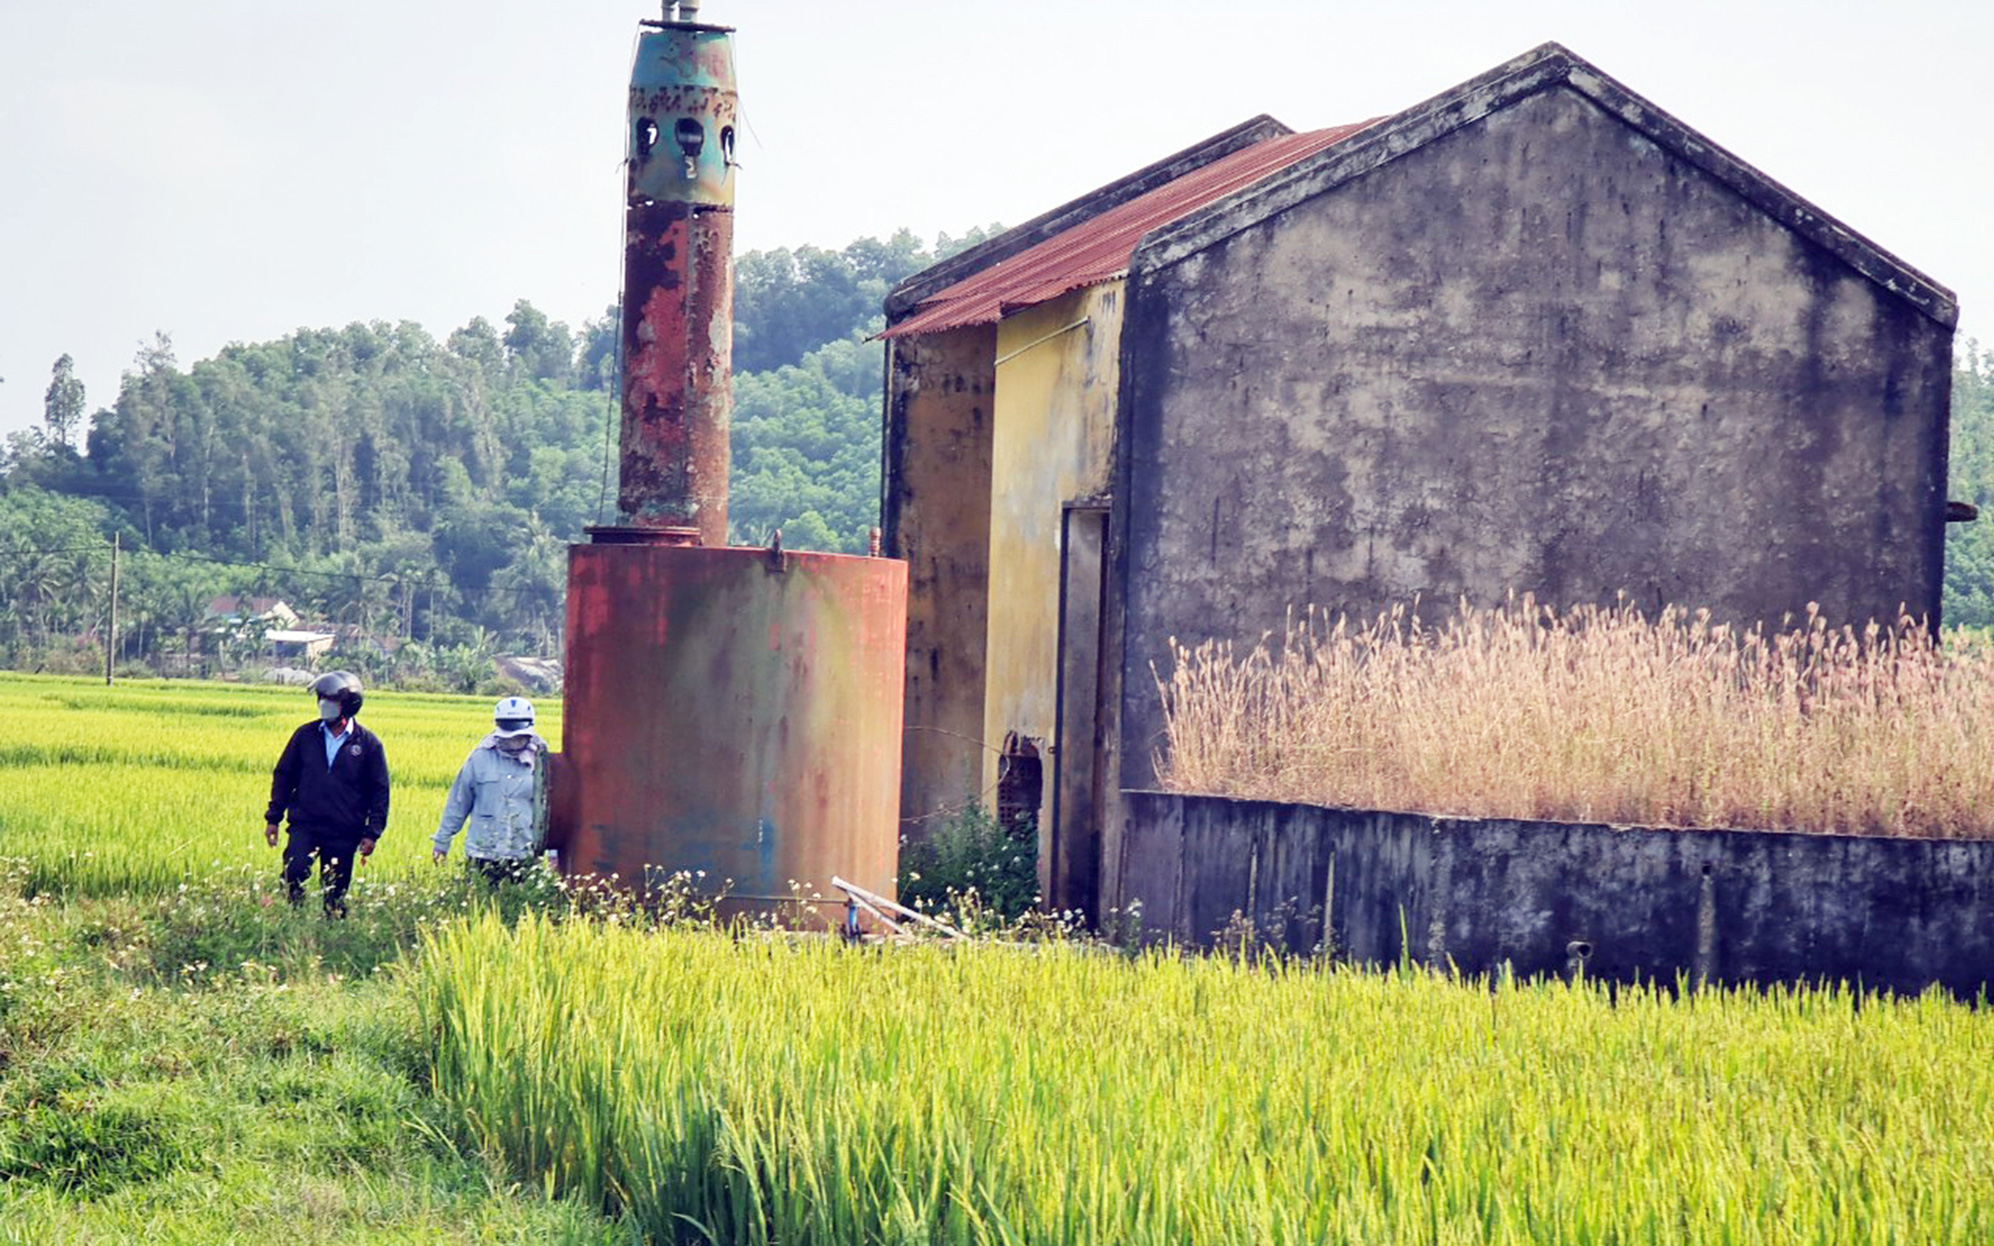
1053,441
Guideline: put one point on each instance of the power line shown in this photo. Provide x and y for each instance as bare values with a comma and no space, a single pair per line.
407,582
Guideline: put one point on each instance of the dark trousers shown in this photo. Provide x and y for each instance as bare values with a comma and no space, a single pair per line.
498,870
335,858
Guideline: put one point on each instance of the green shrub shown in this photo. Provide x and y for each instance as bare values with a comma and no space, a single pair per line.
973,856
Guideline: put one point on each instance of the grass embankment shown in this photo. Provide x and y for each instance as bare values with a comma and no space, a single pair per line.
201,1068
766,1092
1596,715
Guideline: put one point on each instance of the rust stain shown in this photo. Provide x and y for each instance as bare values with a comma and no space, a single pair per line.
733,715
723,719
677,343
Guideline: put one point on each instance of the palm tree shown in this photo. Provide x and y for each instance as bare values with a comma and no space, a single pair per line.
471,663
35,584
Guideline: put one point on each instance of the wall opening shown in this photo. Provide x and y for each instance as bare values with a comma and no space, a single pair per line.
1020,784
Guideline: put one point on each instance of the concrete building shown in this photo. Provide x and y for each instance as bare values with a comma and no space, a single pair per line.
1533,334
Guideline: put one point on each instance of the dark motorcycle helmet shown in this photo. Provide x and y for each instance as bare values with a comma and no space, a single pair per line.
340,686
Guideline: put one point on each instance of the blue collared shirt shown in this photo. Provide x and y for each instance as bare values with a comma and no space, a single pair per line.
332,742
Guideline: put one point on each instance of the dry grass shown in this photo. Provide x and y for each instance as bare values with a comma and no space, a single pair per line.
1597,715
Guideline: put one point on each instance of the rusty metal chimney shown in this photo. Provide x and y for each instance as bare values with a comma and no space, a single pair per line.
678,288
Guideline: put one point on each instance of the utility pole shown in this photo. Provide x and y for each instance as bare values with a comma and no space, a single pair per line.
111,646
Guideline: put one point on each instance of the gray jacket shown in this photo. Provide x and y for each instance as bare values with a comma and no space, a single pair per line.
504,797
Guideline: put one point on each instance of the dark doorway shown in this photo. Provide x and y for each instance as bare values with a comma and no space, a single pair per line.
1070,845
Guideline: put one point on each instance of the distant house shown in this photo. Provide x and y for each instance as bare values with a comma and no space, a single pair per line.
289,644
1533,334
245,623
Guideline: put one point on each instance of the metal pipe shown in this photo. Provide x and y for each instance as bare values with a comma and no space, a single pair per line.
1003,359
860,893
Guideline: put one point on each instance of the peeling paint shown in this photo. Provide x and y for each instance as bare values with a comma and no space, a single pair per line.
1053,444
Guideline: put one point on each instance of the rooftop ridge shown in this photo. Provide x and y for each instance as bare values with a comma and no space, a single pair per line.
918,286
1098,249
1542,68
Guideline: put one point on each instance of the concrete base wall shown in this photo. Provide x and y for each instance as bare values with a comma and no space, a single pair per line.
1726,906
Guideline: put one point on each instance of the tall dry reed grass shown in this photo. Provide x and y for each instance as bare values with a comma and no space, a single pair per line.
1596,714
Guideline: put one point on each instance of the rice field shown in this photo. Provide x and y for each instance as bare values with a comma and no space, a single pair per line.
803,1093
1595,715
619,1082
138,787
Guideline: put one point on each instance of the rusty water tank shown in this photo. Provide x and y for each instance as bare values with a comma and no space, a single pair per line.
736,712
733,715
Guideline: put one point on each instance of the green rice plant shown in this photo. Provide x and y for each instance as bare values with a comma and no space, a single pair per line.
148,785
719,1089
1595,715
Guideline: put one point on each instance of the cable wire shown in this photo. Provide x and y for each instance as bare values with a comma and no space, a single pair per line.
430,583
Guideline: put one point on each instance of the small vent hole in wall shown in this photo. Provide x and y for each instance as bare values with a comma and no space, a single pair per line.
691,136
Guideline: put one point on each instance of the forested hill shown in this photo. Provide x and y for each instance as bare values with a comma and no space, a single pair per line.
417,488
420,493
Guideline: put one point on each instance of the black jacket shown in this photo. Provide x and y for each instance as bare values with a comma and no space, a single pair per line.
346,800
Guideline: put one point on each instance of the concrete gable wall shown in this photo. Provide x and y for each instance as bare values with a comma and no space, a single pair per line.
1539,353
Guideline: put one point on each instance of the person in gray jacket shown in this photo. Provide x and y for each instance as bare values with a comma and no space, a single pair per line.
501,791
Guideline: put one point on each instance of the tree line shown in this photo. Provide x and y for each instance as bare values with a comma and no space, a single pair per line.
419,492
1969,587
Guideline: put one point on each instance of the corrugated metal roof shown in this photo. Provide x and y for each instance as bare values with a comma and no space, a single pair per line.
1098,250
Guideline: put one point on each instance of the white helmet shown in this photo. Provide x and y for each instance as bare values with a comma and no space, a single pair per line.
513,716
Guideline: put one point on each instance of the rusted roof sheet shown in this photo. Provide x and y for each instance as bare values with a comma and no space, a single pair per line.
1098,250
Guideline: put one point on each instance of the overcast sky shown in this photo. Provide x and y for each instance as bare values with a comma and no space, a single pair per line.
231,170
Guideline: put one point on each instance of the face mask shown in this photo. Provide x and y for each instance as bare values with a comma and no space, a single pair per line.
515,744
328,711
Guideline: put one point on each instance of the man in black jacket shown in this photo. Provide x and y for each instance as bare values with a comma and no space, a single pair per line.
333,780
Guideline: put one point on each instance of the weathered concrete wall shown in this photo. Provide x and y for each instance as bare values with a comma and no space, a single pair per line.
1726,906
1538,352
1055,432
936,515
